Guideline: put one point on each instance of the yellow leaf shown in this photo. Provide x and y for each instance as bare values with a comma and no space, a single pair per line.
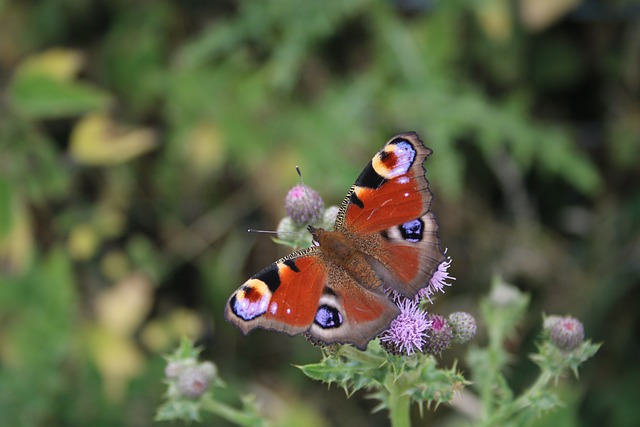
204,150
539,14
124,306
160,334
16,246
186,322
82,242
60,64
494,17
97,140
115,265
110,220
116,357
156,336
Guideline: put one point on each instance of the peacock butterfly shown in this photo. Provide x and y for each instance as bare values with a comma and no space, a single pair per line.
385,237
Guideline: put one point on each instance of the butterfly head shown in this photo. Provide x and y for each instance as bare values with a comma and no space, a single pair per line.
316,233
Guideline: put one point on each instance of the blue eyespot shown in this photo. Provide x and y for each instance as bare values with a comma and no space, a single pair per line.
412,231
328,317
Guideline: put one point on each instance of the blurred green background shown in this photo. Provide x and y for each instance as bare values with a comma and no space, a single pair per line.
139,141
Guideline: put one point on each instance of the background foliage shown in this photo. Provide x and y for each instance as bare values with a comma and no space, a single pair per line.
139,140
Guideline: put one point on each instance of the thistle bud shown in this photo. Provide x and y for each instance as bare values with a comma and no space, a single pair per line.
440,335
193,381
303,205
567,333
329,217
463,326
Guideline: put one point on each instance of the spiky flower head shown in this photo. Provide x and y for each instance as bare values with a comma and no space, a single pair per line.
440,335
193,381
407,331
440,279
463,326
303,205
566,333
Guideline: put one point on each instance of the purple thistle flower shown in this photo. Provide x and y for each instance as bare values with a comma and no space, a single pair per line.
437,282
304,205
440,335
407,331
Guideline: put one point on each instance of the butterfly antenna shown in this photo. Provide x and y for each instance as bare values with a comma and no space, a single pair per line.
301,181
253,230
304,187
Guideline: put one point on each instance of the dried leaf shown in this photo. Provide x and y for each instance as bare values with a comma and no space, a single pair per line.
97,140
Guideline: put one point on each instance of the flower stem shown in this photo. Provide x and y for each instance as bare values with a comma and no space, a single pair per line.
399,408
503,414
230,414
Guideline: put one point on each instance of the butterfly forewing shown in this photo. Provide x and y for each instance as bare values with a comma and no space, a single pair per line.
391,190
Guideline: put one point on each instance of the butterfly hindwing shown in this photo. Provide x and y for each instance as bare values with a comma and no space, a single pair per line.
349,313
409,255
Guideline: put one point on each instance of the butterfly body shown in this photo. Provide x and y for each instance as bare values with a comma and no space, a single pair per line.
345,252
385,237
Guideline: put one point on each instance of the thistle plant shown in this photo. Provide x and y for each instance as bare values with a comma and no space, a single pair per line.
193,388
401,366
561,349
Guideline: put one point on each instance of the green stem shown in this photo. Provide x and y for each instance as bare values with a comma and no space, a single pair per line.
399,409
492,377
501,416
231,414
541,383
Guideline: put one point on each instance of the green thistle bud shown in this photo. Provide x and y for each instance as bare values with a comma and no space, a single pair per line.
329,217
304,205
193,381
175,367
463,326
439,336
567,333
286,227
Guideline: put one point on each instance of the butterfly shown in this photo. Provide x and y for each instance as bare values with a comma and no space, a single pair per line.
385,238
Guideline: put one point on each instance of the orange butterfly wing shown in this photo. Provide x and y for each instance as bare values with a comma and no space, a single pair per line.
385,218
299,293
388,210
391,190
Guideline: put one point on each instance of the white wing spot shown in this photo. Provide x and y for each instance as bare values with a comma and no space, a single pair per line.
248,309
405,155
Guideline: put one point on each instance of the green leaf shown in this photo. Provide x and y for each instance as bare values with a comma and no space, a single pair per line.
43,97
